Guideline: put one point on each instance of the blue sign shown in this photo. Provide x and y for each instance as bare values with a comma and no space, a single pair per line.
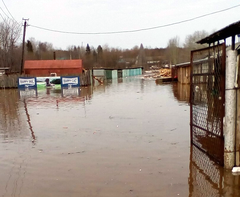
27,82
72,81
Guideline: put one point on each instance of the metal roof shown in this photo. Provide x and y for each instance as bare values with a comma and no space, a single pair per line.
229,31
54,64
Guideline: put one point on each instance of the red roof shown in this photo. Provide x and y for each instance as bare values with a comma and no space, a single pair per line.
54,64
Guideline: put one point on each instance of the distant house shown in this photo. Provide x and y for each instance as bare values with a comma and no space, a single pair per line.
53,67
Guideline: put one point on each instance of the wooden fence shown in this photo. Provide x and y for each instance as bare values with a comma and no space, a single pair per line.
11,80
86,78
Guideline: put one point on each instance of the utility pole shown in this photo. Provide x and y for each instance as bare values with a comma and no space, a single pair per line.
23,44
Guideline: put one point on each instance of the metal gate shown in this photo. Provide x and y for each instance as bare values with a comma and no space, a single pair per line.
207,100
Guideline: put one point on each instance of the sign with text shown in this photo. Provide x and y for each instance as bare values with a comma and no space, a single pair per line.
27,82
71,81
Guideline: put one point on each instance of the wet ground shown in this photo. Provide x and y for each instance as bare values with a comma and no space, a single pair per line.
129,137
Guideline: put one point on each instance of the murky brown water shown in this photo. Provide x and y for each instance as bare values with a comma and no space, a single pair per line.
127,138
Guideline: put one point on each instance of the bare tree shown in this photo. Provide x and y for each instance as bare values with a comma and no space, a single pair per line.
44,51
9,51
99,55
87,58
172,50
190,40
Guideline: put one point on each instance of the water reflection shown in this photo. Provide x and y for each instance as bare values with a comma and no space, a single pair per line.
14,103
29,122
26,93
101,88
70,92
130,137
12,124
206,178
181,91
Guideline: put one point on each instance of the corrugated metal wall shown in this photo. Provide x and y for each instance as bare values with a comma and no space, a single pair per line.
114,74
98,73
108,74
131,72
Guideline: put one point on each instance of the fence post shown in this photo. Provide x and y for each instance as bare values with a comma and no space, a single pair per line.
230,110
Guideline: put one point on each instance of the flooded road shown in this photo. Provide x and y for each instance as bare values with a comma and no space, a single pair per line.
129,137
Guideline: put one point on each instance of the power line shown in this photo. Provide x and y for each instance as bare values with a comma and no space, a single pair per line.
8,11
2,17
4,13
137,30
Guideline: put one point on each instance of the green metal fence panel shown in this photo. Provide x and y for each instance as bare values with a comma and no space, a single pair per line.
130,72
124,73
114,74
108,74
138,71
135,71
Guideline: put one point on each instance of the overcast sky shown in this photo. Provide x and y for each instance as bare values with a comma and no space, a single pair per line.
99,16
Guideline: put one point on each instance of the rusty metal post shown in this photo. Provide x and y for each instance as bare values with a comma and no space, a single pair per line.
191,97
230,110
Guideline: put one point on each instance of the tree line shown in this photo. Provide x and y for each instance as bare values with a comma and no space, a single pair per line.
93,57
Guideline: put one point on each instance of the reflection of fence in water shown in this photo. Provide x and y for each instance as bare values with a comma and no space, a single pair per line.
26,93
70,92
205,178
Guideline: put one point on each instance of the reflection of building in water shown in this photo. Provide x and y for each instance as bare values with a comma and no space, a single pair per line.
181,91
65,94
208,179
56,97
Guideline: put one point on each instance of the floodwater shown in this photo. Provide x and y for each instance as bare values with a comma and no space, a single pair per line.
129,137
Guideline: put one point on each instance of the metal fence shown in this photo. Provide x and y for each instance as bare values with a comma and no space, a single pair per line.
207,100
11,80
